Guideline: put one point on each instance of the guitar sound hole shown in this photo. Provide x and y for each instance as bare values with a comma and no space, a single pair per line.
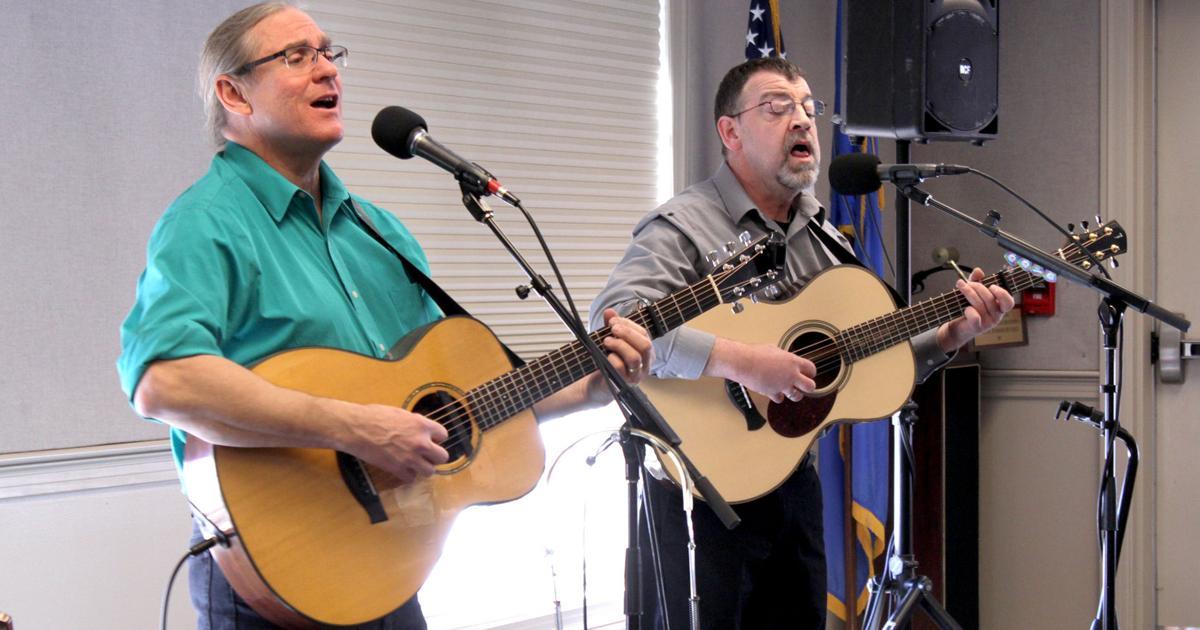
822,351
448,411
794,419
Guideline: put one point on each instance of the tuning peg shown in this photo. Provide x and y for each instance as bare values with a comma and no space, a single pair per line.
713,258
1071,228
1084,224
730,248
1112,262
738,307
1098,221
744,239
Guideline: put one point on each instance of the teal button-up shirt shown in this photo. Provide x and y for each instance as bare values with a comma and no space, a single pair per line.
239,266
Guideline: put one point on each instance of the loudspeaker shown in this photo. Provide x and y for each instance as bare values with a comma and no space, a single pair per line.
920,69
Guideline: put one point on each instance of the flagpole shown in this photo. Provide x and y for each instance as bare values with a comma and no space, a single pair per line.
849,544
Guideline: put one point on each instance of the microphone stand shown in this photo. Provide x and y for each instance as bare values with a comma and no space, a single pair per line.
633,404
897,592
1112,310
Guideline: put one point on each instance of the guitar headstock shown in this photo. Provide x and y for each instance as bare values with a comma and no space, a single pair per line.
1105,242
757,265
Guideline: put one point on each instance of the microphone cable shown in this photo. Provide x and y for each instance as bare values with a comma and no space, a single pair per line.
1041,214
553,265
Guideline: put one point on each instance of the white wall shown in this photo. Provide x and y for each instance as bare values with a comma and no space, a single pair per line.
88,538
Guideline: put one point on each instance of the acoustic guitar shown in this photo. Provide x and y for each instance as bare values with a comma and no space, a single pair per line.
318,537
845,322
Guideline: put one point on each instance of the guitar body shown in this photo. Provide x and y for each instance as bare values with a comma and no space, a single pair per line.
745,462
304,551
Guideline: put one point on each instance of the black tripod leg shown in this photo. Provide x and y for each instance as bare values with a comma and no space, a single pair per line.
919,591
904,609
936,612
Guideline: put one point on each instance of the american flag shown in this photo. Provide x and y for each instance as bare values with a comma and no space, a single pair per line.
763,38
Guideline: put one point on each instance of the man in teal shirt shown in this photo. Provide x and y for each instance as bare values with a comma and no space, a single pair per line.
265,253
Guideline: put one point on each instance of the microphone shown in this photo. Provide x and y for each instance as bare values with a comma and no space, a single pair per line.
403,133
861,173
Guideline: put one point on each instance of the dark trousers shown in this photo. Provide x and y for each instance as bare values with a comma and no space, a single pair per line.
767,573
218,607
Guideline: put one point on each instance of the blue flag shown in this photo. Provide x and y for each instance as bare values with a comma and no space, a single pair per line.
763,38
858,218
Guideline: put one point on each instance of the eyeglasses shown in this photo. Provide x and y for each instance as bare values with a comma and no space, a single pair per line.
301,58
783,106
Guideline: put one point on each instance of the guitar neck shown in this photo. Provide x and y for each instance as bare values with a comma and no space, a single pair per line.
505,396
861,341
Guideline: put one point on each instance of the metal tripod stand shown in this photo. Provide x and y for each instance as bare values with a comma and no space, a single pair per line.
900,589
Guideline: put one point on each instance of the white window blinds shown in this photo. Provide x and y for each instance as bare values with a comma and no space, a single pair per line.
555,97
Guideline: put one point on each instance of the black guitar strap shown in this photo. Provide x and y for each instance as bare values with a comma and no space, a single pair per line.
839,251
448,305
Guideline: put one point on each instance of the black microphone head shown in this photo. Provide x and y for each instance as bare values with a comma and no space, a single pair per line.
393,128
855,174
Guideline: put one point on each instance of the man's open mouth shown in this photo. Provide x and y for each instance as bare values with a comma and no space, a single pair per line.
326,102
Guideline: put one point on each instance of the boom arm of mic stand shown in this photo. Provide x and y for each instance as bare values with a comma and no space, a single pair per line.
630,399
1009,242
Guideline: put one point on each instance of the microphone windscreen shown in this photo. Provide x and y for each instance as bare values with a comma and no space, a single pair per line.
854,174
393,128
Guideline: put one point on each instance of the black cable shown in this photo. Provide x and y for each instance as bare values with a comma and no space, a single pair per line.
195,550
660,588
1064,232
553,265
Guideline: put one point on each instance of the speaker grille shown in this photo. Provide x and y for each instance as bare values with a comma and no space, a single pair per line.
961,74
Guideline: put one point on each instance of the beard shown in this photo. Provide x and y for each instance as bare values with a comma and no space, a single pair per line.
799,178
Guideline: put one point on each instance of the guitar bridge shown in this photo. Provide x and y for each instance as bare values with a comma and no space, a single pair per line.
360,486
740,399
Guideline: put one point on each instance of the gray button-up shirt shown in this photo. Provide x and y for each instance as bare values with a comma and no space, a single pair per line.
667,254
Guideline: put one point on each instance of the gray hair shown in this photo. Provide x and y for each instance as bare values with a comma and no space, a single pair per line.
228,48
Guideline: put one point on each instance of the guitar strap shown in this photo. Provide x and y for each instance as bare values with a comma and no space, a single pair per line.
839,251
448,305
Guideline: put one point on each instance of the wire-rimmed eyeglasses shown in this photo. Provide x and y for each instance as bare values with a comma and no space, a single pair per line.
301,57
784,106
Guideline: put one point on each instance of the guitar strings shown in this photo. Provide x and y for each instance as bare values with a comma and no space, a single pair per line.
456,416
573,357
827,355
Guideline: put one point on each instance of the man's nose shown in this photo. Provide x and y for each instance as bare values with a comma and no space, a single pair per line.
323,68
801,119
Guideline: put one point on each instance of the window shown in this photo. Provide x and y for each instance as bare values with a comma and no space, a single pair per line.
560,100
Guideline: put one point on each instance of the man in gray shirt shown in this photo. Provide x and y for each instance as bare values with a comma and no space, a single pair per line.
769,572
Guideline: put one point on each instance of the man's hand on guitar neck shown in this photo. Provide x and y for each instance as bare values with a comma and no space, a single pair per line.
764,368
988,304
629,351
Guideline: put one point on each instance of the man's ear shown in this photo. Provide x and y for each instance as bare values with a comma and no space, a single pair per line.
730,133
232,96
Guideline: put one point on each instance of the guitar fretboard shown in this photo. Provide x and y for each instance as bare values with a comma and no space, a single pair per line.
861,341
505,396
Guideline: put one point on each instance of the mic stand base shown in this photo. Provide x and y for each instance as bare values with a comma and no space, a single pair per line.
896,593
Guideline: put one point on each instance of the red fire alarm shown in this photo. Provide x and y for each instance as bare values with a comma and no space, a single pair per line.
1039,300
